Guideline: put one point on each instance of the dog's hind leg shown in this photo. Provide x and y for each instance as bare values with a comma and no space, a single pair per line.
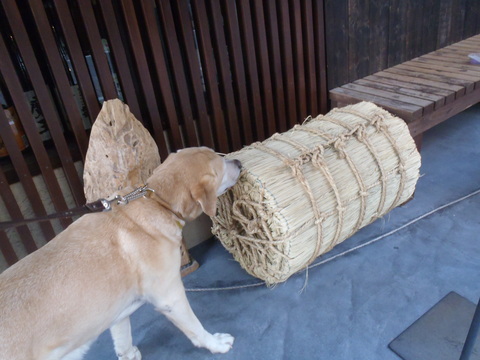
122,340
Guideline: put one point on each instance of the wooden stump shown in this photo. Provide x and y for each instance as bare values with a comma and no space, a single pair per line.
121,153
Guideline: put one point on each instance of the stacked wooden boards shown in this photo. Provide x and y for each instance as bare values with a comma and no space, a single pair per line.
424,91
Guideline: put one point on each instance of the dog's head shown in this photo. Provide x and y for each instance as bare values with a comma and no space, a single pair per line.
191,179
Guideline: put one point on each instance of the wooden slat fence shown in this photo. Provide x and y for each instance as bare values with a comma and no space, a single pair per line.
196,72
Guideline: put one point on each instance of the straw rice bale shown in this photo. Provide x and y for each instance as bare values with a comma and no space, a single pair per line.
310,188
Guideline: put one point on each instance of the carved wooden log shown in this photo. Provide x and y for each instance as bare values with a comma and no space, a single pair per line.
121,153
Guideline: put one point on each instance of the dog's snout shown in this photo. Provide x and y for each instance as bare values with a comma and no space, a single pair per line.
237,163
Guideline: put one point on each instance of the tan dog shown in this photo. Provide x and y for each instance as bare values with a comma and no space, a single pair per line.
91,277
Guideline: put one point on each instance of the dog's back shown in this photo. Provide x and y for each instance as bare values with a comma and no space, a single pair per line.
13,302
26,302
44,307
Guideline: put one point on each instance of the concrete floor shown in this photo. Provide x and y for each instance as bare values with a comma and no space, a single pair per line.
358,298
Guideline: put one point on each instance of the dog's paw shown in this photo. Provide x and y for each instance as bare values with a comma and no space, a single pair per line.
132,354
220,343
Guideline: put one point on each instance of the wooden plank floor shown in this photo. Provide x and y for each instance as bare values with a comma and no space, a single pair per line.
423,91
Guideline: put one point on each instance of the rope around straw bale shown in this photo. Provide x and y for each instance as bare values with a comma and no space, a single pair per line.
253,240
295,167
377,121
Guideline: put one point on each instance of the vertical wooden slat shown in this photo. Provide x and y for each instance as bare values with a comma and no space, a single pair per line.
15,213
149,12
457,15
337,42
320,50
210,73
396,33
287,63
73,44
378,41
59,75
430,28
296,23
246,29
238,68
24,175
45,101
276,64
263,63
471,26
120,54
98,53
358,41
310,69
444,23
7,70
223,65
148,9
7,250
145,78
413,28
178,71
192,60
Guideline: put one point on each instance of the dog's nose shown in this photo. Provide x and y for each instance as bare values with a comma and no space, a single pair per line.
238,163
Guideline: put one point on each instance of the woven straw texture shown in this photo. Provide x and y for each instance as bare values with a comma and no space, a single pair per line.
310,188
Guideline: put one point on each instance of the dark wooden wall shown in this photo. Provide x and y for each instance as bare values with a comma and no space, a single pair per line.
219,73
366,36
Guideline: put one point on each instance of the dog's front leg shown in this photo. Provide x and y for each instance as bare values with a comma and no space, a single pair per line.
122,341
176,308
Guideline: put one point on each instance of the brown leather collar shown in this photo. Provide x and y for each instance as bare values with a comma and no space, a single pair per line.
167,206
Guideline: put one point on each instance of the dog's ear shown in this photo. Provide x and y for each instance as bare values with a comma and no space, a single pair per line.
205,194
